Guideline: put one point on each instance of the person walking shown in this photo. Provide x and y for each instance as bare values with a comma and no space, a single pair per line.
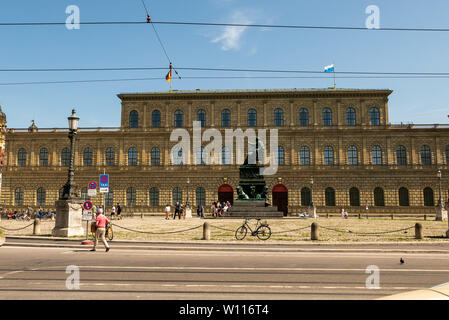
119,210
167,212
112,212
177,211
100,223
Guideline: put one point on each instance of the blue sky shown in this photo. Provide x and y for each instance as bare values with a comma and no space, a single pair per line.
413,100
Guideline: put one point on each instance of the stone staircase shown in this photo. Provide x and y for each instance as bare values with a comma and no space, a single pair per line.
252,209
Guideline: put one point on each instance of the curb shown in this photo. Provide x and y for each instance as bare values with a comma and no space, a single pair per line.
2,241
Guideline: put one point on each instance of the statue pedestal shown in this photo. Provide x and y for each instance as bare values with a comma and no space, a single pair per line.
68,218
188,213
311,211
441,213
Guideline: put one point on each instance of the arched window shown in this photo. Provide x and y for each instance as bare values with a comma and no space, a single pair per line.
40,197
376,152
200,156
177,196
426,155
352,156
329,195
306,197
156,119
350,117
328,155
225,156
65,157
279,117
252,118
18,197
130,197
43,157
155,157
22,158
154,197
447,154
280,156
179,119
84,195
134,119
303,117
226,118
401,155
379,198
327,117
110,156
354,197
304,155
201,117
109,198
374,116
132,157
403,197
87,157
200,196
428,197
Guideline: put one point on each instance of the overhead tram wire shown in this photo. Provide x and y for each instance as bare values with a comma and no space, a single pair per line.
191,23
371,73
159,38
218,78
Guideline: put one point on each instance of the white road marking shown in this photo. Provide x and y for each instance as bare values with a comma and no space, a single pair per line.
10,273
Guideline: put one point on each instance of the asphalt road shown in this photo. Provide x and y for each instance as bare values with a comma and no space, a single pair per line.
40,273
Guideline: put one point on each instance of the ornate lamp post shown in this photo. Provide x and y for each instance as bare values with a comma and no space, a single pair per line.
68,208
70,186
441,212
187,202
312,209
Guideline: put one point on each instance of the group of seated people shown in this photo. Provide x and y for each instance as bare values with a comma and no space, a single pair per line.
218,209
27,214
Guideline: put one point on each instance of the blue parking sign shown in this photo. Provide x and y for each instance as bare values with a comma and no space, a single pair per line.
104,181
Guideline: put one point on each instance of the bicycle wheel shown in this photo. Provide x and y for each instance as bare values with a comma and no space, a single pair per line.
263,233
240,233
109,233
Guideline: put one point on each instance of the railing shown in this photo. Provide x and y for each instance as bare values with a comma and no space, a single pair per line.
419,126
94,129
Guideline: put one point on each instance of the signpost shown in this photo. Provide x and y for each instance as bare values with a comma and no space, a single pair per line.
92,191
104,183
87,216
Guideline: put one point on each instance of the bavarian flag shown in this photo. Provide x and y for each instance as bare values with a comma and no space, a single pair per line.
168,76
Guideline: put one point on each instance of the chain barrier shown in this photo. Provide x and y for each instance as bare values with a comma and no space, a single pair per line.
293,230
220,228
6,229
366,233
147,232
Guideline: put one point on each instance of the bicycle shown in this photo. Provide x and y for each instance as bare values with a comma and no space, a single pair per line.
262,231
109,234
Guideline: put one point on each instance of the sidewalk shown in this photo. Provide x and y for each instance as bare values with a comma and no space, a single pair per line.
239,246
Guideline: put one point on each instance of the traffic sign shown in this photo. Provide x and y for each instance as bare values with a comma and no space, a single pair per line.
87,205
87,216
92,192
93,185
104,183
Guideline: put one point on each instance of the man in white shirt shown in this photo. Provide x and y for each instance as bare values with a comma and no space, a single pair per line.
167,212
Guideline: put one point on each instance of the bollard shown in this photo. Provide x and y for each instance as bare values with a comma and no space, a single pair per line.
425,217
418,231
392,217
141,215
314,234
37,227
360,216
206,231
327,215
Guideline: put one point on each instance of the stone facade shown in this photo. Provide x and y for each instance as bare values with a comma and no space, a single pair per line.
372,164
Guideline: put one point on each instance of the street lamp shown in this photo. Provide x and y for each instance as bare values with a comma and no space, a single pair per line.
311,191
70,186
187,203
439,182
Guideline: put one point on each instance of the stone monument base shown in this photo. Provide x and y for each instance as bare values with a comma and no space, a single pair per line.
252,209
441,214
311,211
68,218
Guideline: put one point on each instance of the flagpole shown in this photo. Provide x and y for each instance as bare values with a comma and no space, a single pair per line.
335,83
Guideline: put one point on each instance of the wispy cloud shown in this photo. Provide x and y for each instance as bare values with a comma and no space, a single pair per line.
231,37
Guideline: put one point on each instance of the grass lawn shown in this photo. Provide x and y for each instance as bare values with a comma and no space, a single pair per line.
224,229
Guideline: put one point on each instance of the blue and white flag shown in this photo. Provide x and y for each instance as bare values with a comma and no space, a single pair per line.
330,68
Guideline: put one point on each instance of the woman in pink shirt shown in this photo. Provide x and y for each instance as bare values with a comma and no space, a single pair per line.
101,222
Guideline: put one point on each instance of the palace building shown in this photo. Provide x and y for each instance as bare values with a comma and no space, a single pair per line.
341,139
